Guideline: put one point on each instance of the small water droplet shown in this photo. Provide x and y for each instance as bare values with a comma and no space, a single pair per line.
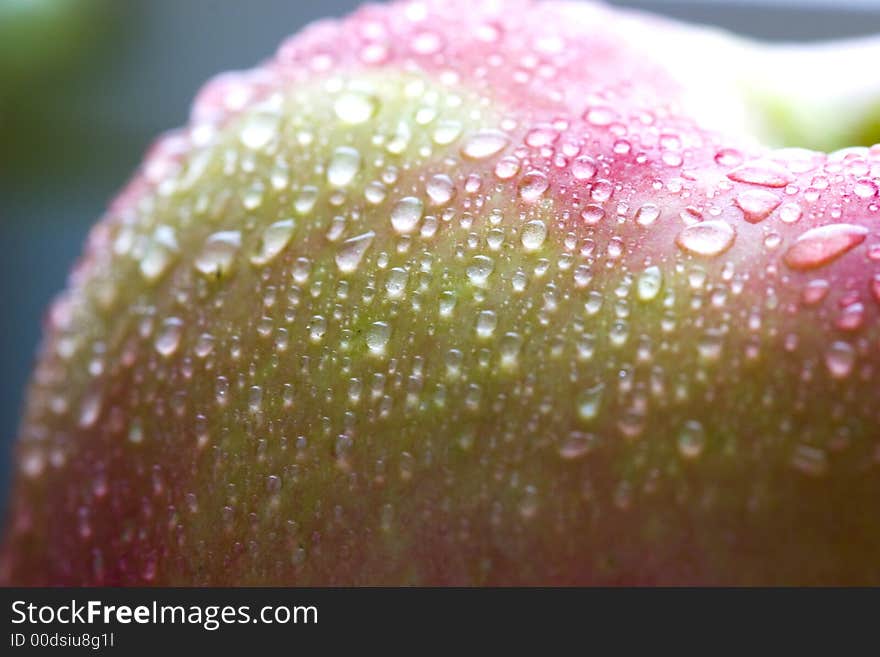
691,440
839,359
577,445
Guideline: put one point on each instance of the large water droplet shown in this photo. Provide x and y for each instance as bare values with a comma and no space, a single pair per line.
275,238
479,270
819,246
487,320
839,359
757,204
762,172
343,166
352,251
258,130
533,234
532,186
707,238
160,253
440,189
589,400
218,253
483,144
377,337
647,214
168,338
405,215
354,107
577,445
649,283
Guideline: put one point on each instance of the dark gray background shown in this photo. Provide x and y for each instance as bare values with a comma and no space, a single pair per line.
73,130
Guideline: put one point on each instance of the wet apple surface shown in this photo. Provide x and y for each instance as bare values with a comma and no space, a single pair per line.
452,293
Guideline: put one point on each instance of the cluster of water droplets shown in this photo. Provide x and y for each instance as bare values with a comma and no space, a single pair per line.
368,280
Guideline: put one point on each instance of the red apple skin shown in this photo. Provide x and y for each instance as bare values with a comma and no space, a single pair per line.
660,366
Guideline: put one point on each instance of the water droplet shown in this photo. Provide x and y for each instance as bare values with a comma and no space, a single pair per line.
274,240
691,440
483,144
405,215
305,200
352,251
509,347
815,291
762,172
533,234
790,213
258,130
479,270
649,283
589,401
757,204
395,284
532,186
839,359
440,189
865,188
577,445
583,167
160,253
542,135
819,246
487,320
707,238
446,132
592,214
810,461
377,337
875,287
647,214
168,337
355,107
90,409
343,166
218,253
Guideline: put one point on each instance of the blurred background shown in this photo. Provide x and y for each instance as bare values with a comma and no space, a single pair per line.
85,86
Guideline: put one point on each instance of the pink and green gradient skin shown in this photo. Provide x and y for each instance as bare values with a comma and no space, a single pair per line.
466,293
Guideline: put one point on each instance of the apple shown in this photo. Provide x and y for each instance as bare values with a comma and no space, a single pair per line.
477,293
